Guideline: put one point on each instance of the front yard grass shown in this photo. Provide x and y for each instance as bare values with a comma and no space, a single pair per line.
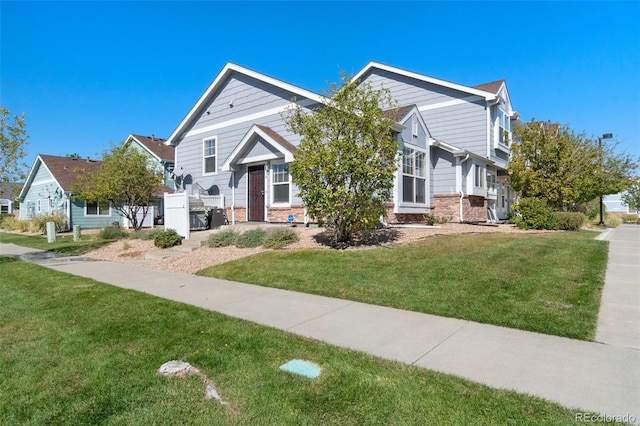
548,283
63,244
74,351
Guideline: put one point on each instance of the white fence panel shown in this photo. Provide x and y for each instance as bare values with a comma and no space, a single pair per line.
176,213
148,219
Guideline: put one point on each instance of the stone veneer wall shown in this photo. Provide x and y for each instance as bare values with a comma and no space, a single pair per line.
395,218
281,214
474,208
241,214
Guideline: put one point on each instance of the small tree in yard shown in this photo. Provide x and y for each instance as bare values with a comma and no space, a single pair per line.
345,163
126,180
564,168
13,139
631,196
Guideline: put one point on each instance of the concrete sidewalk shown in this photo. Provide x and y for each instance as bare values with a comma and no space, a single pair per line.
594,377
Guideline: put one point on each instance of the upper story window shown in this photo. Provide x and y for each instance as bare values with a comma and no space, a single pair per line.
280,183
414,130
413,176
504,127
210,156
97,209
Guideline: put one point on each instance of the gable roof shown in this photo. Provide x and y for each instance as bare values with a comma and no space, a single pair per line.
270,136
466,89
229,69
491,87
61,169
155,146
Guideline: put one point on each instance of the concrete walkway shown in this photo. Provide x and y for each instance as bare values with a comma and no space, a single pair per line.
594,377
619,316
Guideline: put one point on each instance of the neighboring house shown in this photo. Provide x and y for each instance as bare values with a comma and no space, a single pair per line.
8,194
162,156
454,143
47,191
613,203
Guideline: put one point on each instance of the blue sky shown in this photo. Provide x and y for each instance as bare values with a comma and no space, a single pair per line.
87,73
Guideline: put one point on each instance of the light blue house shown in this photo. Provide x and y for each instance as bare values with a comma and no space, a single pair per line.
613,203
454,144
47,191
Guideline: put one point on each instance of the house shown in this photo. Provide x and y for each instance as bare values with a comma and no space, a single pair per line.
8,193
47,191
613,203
162,157
454,143
470,140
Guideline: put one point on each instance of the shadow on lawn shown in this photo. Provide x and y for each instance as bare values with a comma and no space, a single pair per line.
365,239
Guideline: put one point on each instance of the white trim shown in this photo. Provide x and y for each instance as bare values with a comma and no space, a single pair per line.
204,157
255,130
30,178
465,100
98,209
244,119
222,76
371,65
272,203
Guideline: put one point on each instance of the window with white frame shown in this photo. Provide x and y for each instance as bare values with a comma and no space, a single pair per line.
414,130
209,154
491,181
413,176
39,206
479,176
97,209
280,183
504,127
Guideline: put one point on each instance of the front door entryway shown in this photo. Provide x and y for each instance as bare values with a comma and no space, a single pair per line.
256,194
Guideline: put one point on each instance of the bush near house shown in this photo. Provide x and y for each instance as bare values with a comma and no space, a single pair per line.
112,232
280,238
251,238
631,218
569,221
37,224
223,239
168,238
533,213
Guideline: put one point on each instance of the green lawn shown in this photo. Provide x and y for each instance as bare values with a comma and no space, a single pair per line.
77,352
64,245
547,283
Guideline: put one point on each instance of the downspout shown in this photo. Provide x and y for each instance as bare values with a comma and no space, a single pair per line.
233,197
461,192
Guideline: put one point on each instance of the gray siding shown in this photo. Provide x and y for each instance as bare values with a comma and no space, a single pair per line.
463,125
443,166
249,97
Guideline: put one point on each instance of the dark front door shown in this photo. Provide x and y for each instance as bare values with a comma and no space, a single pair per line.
256,193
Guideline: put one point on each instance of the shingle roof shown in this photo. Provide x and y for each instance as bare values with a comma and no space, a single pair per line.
397,114
64,169
276,137
491,87
9,190
157,146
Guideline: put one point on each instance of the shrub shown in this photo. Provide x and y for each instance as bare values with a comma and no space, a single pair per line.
612,221
251,238
167,238
630,218
280,238
145,235
10,223
112,232
569,221
223,239
429,220
39,223
533,213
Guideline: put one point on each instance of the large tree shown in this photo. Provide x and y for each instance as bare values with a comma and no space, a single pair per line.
345,163
126,179
566,169
13,139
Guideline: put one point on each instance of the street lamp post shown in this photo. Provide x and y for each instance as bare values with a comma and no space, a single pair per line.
605,136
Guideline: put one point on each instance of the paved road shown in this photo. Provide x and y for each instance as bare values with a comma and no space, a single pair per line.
595,377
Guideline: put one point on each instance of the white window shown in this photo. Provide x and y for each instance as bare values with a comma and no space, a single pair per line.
491,181
414,130
39,206
280,183
97,209
210,157
479,176
504,127
413,176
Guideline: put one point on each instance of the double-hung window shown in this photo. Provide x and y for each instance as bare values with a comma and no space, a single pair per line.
504,127
479,176
210,155
280,183
413,176
97,209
